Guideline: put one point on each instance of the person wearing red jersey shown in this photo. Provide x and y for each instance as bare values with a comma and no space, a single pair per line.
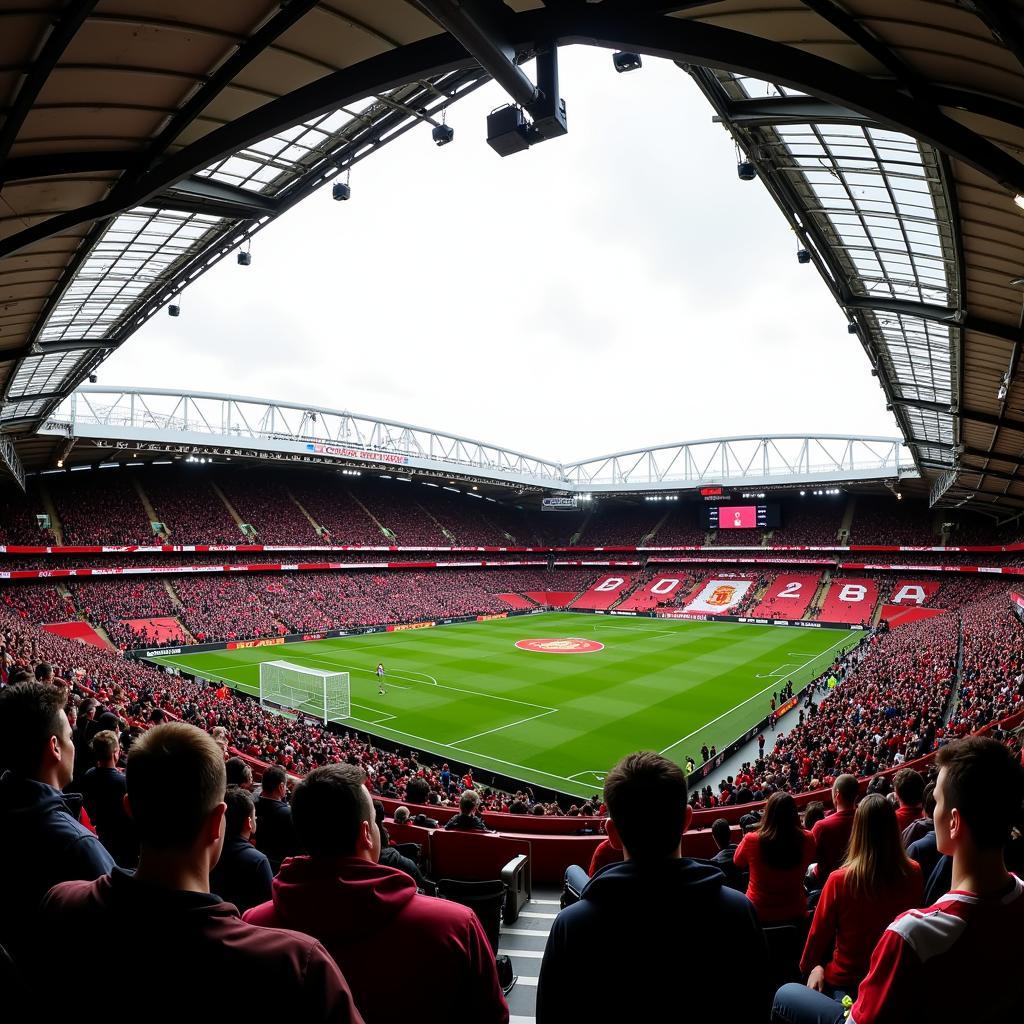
909,788
832,833
958,959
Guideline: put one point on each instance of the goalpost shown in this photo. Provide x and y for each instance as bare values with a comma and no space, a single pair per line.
311,691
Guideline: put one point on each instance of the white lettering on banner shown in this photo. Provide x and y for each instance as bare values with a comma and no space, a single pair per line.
853,592
791,589
909,592
612,583
665,586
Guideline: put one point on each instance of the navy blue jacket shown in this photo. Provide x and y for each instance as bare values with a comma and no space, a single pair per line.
926,853
655,933
243,875
41,843
275,833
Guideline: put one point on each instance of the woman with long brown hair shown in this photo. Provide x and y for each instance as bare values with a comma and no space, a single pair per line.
777,855
876,883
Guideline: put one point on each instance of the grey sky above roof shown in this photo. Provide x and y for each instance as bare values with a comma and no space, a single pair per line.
617,287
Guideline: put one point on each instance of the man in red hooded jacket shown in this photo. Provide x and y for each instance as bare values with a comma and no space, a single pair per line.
356,907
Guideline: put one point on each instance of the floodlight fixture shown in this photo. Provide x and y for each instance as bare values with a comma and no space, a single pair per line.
803,256
1019,200
746,170
508,130
624,61
244,258
174,309
342,190
442,134
852,328
93,378
1002,392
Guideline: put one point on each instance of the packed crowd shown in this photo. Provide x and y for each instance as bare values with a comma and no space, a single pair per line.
101,507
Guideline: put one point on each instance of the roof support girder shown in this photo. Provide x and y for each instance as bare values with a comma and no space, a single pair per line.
1010,333
216,198
773,110
686,41
54,165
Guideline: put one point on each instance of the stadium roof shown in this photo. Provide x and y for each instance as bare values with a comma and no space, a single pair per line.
144,141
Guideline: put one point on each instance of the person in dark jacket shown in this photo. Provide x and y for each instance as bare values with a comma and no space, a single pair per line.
276,834
723,860
181,951
103,789
468,819
638,918
243,874
42,841
390,857
370,916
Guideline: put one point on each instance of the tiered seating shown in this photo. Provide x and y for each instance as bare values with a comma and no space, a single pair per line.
38,603
850,599
604,592
113,604
263,502
684,526
814,522
517,602
101,507
662,589
334,508
18,512
788,596
885,521
187,505
629,526
156,632
398,509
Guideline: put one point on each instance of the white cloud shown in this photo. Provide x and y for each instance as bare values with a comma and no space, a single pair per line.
615,288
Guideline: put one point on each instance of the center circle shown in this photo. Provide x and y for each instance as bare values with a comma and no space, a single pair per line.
562,645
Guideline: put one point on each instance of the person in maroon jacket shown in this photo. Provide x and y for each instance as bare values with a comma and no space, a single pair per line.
832,833
179,951
361,910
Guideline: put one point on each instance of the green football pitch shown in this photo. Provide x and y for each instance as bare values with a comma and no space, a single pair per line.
466,692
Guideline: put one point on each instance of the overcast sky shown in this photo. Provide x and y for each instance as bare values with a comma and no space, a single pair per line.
616,288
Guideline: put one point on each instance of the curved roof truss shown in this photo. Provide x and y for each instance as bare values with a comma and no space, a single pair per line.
139,146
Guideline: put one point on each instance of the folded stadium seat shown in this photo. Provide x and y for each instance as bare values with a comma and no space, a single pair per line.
487,901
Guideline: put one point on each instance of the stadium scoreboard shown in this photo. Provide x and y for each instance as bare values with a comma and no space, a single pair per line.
742,517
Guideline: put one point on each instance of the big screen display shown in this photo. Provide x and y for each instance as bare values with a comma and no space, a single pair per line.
742,517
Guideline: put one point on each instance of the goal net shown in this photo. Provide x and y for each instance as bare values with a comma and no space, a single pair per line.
308,691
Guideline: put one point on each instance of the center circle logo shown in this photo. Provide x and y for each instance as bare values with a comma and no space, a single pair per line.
563,645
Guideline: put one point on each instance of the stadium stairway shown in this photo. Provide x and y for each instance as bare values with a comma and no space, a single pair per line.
524,943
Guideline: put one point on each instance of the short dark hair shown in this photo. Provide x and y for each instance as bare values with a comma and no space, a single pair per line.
44,672
646,798
909,786
417,790
846,787
238,772
721,831
985,783
29,716
175,776
273,777
241,807
328,809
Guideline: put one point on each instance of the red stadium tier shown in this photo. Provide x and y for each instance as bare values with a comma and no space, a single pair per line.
850,600
604,592
788,596
662,589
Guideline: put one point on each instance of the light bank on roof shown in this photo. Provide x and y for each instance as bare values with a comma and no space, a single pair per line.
135,421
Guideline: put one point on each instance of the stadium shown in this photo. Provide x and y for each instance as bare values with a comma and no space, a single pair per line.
819,631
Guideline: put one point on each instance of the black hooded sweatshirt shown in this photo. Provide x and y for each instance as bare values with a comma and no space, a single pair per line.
655,935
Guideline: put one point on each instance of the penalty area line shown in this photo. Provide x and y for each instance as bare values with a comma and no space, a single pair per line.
510,725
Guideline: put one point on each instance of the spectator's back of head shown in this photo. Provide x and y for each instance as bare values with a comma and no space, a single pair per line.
875,859
469,801
241,809
721,832
417,790
844,791
781,834
646,798
44,672
176,780
35,736
401,815
983,783
909,787
237,771
332,811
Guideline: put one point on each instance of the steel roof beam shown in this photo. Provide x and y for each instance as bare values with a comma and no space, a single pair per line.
476,24
54,165
1010,333
1003,22
774,110
216,198
61,33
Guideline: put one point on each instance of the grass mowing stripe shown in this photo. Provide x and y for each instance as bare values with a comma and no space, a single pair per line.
493,705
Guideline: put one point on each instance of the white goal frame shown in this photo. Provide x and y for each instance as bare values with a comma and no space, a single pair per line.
318,692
